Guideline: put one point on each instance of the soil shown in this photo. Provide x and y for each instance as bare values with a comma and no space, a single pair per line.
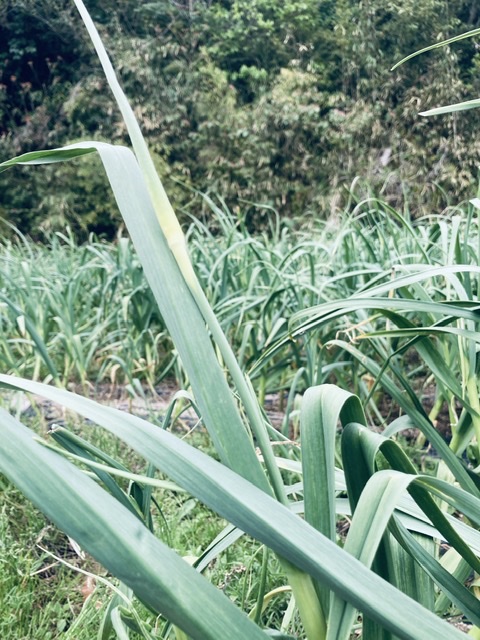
154,405
150,406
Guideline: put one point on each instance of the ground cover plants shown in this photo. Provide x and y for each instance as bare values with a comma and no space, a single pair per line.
388,575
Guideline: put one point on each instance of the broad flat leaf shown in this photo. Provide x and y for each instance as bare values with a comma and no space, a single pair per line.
370,520
162,215
418,417
117,539
369,444
449,585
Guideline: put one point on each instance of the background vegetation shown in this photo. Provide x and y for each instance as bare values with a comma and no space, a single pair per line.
266,102
381,300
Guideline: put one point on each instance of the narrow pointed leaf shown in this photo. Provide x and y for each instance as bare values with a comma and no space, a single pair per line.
321,409
117,539
418,417
370,521
438,45
179,310
259,515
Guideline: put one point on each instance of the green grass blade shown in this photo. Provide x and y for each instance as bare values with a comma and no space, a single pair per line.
257,514
360,448
359,472
161,203
413,331
39,343
459,106
178,308
418,417
458,569
47,157
410,576
438,45
451,108
369,523
176,241
85,456
321,409
117,539
434,359
460,499
372,443
454,590
174,237
309,319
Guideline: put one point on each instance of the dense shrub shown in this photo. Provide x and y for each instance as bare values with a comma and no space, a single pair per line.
278,103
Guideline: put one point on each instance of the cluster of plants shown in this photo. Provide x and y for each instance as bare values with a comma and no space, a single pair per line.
260,101
255,282
405,557
73,331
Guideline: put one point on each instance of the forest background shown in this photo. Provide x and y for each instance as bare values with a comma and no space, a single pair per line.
287,104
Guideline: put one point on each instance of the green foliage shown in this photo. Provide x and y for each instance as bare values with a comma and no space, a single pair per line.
255,282
38,596
330,583
74,321
40,49
266,102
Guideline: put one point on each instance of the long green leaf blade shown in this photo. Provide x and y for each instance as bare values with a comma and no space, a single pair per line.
258,515
321,409
179,310
117,539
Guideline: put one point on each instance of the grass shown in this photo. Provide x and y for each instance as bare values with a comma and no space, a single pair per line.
392,298
38,600
42,605
41,598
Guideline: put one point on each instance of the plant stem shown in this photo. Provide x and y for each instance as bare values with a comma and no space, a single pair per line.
308,604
